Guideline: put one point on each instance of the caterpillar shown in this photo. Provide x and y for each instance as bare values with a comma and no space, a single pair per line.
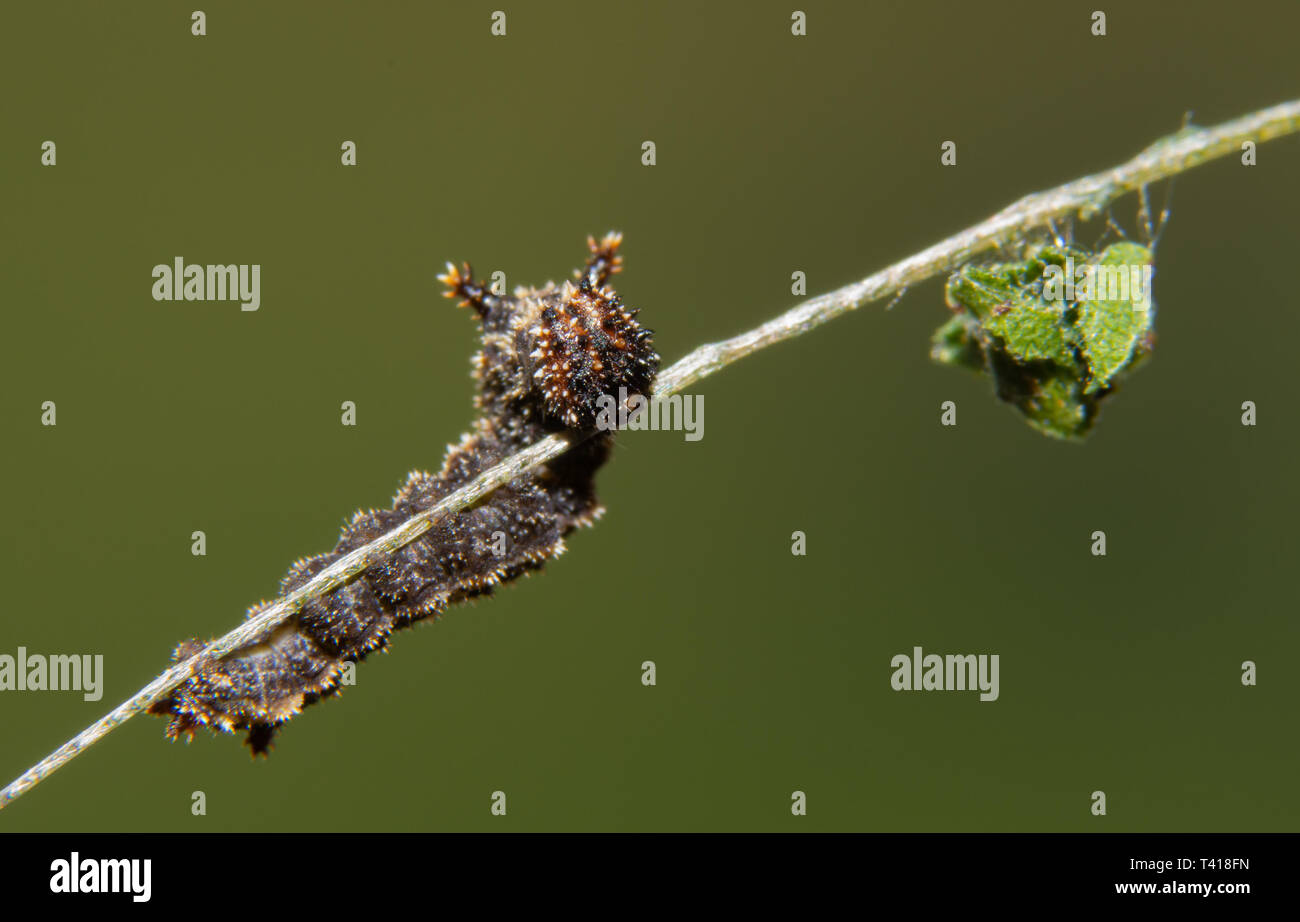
547,356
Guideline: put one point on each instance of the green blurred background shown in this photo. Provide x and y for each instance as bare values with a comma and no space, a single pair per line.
821,153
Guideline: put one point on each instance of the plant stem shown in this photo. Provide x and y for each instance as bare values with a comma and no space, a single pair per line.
1086,197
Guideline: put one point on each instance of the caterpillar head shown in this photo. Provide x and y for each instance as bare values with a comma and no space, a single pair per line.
564,353
585,351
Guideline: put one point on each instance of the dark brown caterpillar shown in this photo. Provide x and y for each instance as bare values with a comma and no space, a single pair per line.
548,354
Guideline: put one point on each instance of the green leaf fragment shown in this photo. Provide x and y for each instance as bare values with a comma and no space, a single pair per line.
954,345
1115,334
1055,330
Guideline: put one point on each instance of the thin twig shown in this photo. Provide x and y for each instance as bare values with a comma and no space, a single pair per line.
1086,197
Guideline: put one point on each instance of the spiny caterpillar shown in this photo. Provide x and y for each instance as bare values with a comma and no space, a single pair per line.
548,354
